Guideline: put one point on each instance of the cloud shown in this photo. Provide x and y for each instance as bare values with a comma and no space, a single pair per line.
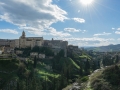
9,31
80,20
58,34
118,29
49,31
113,28
74,30
102,34
118,39
117,32
78,11
71,30
83,31
33,30
93,41
88,39
38,15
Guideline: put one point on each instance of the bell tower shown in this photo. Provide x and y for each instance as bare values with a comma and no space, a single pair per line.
23,35
22,40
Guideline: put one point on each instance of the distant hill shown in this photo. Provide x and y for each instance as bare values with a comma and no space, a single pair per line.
109,48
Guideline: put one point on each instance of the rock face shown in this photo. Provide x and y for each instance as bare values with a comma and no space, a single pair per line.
74,86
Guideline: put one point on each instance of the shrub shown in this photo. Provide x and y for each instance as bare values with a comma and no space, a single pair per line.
100,84
84,79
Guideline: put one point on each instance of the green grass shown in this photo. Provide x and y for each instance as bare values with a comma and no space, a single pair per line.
43,73
68,62
85,78
84,56
74,63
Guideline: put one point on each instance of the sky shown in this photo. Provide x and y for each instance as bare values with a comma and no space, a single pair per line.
95,23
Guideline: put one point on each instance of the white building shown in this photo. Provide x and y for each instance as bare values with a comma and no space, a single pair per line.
41,55
19,52
33,54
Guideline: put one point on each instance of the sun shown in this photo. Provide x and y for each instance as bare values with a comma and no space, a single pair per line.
86,2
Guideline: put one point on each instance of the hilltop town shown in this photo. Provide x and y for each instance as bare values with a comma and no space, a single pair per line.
15,45
31,63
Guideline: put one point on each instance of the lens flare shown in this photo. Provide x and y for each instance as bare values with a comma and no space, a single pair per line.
86,2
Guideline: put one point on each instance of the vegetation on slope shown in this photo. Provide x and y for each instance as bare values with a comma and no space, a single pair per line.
108,79
8,70
59,71
69,62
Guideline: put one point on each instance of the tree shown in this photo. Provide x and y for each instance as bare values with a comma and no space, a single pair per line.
81,68
35,62
117,59
87,67
103,61
88,64
93,65
98,64
61,53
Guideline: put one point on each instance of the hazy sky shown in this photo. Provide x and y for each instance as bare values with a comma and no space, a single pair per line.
94,23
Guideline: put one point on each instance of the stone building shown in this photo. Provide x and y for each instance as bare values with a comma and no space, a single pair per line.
7,46
19,52
56,45
24,41
33,54
41,56
7,42
75,49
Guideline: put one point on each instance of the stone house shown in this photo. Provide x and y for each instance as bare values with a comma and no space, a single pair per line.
19,52
42,56
33,54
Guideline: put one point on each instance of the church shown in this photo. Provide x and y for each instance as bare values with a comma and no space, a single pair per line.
24,41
